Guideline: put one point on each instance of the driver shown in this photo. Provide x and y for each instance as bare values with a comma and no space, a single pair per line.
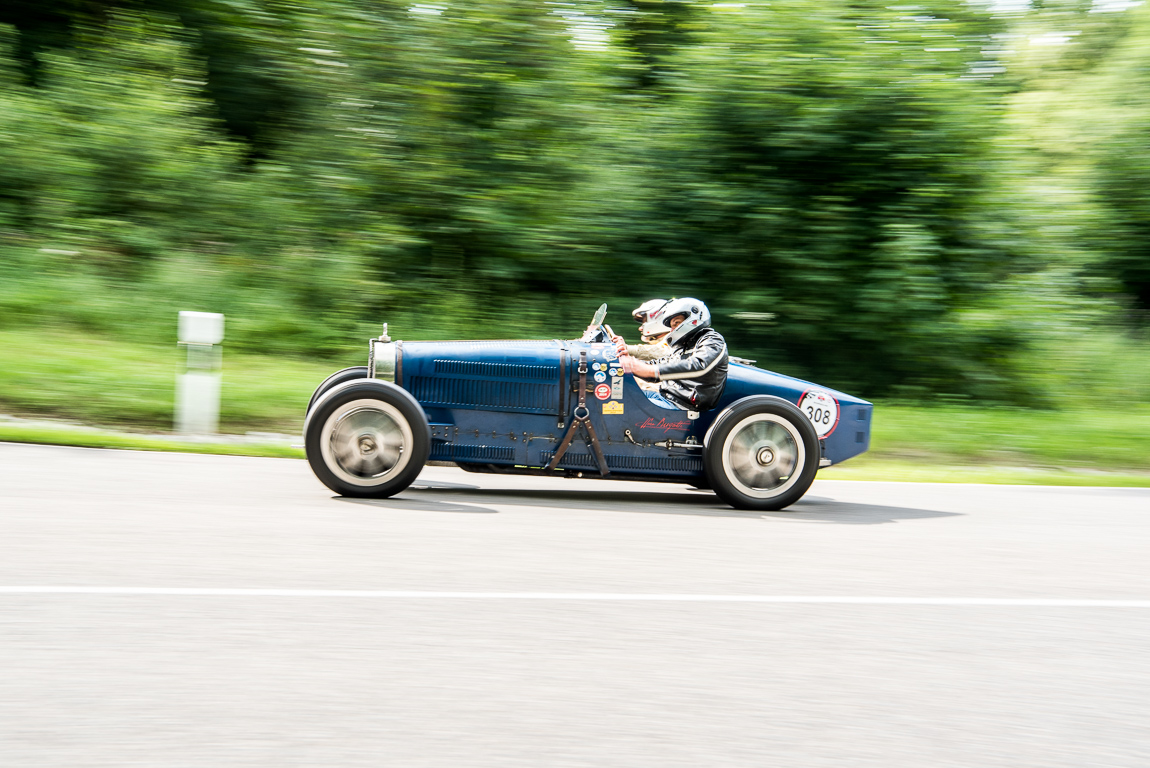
692,375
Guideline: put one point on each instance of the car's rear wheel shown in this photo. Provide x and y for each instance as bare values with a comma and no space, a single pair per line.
337,378
761,454
367,438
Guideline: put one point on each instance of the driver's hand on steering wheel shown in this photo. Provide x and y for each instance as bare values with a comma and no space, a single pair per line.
624,355
620,345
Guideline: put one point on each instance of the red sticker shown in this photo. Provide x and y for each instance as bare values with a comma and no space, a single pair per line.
603,391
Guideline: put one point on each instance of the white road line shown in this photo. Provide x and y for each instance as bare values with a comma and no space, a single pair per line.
1037,602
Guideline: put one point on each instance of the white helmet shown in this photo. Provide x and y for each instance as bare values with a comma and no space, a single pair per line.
696,317
642,313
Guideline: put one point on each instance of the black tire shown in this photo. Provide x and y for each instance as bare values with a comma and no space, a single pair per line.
339,377
367,437
762,453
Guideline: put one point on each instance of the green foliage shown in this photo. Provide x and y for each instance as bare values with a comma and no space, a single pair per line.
872,196
1123,178
653,33
850,202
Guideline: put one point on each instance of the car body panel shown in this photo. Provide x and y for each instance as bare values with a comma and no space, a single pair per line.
506,405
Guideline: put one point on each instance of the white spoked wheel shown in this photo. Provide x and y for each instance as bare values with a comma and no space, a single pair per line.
367,438
762,453
366,442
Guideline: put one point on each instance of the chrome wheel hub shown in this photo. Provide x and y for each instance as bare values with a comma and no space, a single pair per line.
763,455
366,442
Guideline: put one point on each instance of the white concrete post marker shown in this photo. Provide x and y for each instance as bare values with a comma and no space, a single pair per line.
198,387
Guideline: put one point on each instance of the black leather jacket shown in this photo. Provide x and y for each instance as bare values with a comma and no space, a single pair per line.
694,374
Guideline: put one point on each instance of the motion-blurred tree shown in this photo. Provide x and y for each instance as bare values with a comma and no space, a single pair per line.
838,181
1122,182
830,167
652,33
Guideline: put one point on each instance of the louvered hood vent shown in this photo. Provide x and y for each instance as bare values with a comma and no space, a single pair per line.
495,370
512,377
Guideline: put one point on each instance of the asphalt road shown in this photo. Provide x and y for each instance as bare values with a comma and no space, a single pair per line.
488,621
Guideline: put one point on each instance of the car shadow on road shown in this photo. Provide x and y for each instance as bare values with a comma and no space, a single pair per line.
419,505
704,504
822,510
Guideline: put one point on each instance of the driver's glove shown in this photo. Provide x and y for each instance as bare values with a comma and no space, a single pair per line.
620,345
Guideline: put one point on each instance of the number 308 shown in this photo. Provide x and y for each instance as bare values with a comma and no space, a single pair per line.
818,415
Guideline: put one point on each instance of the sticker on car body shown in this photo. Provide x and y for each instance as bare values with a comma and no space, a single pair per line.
612,406
603,391
664,425
821,409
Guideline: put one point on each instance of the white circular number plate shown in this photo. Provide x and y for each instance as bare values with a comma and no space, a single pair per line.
821,409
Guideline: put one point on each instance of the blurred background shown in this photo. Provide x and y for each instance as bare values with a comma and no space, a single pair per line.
942,206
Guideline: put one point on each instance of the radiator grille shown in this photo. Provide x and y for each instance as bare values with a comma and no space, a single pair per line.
685,464
452,452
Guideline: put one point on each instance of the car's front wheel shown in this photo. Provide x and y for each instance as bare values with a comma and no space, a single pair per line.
337,378
367,438
761,454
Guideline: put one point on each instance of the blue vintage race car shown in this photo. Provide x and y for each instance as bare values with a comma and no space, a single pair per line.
566,408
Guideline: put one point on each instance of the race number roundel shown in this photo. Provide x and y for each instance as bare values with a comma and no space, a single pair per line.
821,409
603,391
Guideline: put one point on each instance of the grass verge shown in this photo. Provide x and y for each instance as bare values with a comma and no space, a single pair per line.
118,385
893,470
96,381
1110,440
92,438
